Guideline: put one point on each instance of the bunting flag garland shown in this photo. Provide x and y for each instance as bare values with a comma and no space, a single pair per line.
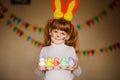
20,33
83,25
100,16
11,21
97,51
18,20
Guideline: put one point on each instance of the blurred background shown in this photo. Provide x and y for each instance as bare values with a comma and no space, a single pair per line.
21,25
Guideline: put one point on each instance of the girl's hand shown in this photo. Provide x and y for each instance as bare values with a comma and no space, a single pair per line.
41,68
72,67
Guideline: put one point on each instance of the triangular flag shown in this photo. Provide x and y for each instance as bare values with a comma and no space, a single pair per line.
101,50
34,28
108,10
11,16
8,22
11,25
96,18
92,52
24,36
84,52
15,29
28,38
15,18
18,31
104,12
19,21
106,49
79,53
110,48
92,21
88,23
39,44
23,24
1,16
111,7
4,10
7,14
114,46
97,51
26,25
32,41
39,29
83,25
31,27
88,52
35,42
21,33
100,16
78,26
118,45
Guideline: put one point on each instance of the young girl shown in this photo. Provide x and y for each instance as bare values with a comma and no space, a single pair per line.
61,41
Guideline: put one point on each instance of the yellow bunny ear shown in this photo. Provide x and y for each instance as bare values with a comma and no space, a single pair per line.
72,6
57,8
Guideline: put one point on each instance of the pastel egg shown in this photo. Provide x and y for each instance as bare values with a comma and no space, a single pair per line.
49,62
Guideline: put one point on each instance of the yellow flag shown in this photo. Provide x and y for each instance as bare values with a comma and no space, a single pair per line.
24,36
7,14
30,27
108,10
83,25
97,51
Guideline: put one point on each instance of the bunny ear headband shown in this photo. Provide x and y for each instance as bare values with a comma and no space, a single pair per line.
62,10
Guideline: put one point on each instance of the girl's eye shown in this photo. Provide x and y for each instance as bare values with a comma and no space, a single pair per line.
63,33
55,31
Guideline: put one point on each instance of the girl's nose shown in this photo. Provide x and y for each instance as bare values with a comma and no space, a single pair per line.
58,35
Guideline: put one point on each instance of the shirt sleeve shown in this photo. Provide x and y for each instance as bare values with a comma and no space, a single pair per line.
37,71
78,70
74,53
42,53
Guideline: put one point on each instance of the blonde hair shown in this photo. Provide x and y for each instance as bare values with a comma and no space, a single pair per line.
63,25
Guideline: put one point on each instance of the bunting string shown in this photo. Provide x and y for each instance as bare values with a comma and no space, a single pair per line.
16,20
90,22
19,32
99,51
100,16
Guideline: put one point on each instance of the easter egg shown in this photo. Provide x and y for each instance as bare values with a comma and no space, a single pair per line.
63,61
70,61
42,62
49,62
56,62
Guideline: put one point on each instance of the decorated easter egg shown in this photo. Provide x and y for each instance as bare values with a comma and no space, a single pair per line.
42,62
70,61
63,61
49,62
56,62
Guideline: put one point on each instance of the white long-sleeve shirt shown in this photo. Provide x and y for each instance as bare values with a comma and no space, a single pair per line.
59,51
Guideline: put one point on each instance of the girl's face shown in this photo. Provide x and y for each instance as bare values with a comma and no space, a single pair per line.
58,36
